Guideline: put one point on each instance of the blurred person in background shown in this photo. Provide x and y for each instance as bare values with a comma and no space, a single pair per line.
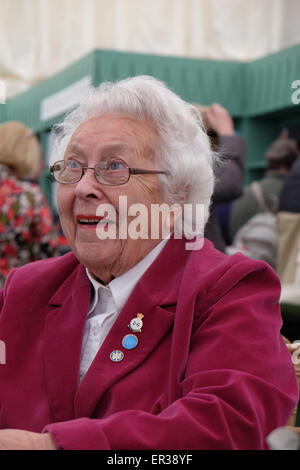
27,231
289,236
229,174
289,200
280,156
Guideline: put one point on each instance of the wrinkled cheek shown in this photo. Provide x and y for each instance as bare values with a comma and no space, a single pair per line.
64,204
67,227
61,200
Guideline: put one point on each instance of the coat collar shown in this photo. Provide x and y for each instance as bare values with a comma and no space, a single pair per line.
153,296
168,266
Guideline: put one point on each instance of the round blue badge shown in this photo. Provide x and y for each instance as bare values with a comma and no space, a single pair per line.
129,342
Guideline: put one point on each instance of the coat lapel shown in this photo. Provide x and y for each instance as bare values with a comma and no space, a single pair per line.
153,296
64,328
103,372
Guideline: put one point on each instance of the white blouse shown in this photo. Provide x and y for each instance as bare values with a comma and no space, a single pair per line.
106,304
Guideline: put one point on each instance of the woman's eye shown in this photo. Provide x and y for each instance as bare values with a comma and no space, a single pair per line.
73,164
116,165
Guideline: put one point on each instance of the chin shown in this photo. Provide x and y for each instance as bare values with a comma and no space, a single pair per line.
96,255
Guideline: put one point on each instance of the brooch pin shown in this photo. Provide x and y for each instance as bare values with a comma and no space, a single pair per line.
129,341
116,356
136,323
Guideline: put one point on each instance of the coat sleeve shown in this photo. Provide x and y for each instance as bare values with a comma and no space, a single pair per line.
1,300
239,382
231,173
290,193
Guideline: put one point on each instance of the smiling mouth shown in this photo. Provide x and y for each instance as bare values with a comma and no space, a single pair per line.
88,220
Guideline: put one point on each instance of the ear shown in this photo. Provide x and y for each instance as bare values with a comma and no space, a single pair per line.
177,209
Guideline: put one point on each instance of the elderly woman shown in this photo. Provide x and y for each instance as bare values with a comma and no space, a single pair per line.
136,341
27,231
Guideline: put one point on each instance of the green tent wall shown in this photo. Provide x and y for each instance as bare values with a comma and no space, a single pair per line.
258,94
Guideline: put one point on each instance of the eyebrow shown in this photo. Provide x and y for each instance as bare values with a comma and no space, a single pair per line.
109,150
113,150
74,149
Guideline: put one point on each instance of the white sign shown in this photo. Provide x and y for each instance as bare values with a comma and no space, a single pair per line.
65,99
2,92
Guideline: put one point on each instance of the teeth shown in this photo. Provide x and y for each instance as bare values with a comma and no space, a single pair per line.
88,221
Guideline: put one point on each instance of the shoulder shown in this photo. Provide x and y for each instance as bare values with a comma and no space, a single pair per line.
214,273
32,190
233,145
19,185
28,193
248,197
47,274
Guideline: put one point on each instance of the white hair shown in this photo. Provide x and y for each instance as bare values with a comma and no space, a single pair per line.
183,147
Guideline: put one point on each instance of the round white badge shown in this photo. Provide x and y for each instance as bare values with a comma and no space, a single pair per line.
136,323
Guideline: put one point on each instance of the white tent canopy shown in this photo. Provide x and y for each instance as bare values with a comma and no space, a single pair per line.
40,37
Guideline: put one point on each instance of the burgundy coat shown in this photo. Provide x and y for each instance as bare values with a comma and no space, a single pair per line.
210,371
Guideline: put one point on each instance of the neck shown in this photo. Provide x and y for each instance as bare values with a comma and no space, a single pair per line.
128,259
98,279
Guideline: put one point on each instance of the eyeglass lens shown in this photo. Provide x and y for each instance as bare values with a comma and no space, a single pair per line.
114,173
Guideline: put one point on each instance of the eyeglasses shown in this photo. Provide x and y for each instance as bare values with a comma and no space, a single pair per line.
112,173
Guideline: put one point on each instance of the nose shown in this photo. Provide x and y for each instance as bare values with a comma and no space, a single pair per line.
88,186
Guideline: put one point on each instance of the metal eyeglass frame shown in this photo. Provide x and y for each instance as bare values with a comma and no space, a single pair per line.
131,171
